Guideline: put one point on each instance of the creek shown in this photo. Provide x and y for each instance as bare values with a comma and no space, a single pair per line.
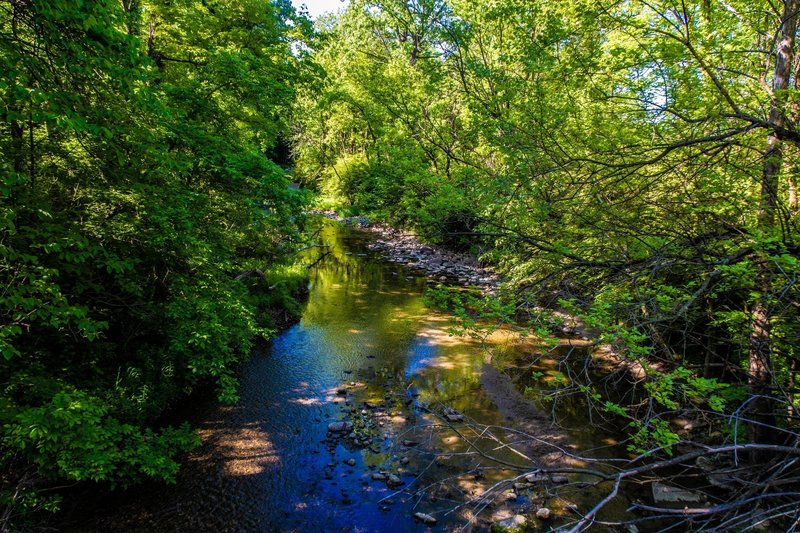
368,352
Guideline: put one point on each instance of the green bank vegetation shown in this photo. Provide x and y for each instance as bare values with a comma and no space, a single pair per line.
145,233
634,163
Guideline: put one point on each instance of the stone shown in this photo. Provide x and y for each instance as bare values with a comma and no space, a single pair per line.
543,513
719,470
518,487
514,522
426,519
338,427
663,493
393,481
351,462
535,478
379,476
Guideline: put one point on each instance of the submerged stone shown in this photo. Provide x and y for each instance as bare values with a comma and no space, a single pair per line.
512,523
426,519
338,427
663,493
393,481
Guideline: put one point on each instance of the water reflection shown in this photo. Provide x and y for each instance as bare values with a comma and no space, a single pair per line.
368,351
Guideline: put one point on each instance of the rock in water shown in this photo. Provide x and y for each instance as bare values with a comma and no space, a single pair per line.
543,513
663,493
338,427
535,478
426,519
393,481
351,462
514,522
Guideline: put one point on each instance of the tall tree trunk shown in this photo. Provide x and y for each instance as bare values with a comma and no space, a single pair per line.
762,405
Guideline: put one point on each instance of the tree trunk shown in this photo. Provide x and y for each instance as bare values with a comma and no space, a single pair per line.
762,404
16,146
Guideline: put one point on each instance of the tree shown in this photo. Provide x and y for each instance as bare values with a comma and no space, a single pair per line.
610,159
134,190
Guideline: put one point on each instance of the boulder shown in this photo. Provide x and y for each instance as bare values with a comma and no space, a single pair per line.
515,522
535,478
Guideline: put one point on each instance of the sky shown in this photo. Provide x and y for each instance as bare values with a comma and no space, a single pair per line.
317,7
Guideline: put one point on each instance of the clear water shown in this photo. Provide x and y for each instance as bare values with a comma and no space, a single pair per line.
270,464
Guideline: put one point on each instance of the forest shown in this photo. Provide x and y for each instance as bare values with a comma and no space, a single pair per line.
631,165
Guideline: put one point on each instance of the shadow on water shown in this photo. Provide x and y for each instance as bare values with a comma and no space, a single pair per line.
269,463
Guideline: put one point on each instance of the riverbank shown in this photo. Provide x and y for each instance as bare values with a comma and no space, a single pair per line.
404,248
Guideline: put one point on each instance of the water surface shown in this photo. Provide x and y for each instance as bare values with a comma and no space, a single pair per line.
367,351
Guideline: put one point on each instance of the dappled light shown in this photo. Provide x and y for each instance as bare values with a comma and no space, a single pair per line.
441,265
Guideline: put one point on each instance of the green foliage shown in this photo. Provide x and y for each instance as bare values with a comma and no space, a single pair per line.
134,192
73,437
608,158
474,314
653,434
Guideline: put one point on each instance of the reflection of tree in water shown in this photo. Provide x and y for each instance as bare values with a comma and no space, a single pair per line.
360,307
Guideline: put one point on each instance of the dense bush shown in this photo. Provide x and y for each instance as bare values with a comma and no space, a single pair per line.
633,163
134,192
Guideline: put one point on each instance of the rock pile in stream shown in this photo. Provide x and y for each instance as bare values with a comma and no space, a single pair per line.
401,247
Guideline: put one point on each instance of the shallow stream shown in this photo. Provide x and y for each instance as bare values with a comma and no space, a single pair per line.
368,353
